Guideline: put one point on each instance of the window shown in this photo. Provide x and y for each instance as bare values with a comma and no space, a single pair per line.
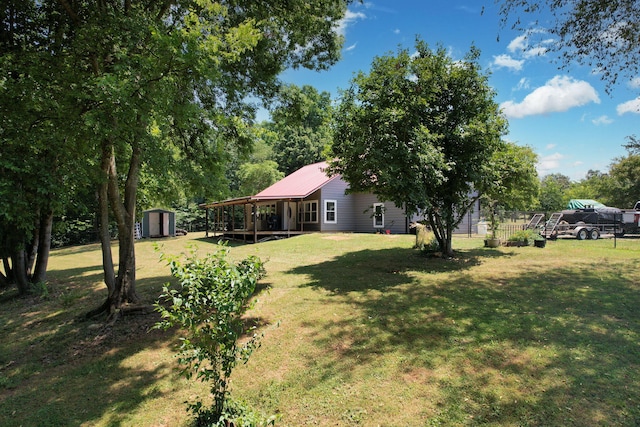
330,211
309,212
378,215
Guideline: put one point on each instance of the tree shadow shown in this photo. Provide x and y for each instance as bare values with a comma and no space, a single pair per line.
566,340
387,268
68,358
58,355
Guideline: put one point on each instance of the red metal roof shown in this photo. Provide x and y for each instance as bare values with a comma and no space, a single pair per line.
299,184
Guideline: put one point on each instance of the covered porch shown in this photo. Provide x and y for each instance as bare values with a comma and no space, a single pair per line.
253,220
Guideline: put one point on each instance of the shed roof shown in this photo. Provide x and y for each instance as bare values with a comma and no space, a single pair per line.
300,184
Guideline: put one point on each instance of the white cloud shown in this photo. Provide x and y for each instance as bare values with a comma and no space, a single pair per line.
535,51
632,106
350,17
523,84
602,120
396,31
559,94
548,163
507,61
520,43
349,48
635,83
550,146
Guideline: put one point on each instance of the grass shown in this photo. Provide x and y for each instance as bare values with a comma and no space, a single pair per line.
359,330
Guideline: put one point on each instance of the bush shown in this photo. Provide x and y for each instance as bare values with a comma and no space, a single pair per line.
525,236
212,296
426,241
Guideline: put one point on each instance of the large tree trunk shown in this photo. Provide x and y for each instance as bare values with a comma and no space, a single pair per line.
19,263
32,252
8,272
442,233
121,287
44,247
4,283
105,235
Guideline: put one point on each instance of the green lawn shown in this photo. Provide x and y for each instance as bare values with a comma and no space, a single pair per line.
358,330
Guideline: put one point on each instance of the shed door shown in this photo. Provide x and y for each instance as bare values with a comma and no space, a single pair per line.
154,223
164,224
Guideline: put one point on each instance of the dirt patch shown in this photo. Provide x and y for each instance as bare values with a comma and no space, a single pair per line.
97,338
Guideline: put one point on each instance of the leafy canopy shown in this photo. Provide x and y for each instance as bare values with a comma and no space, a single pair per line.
602,34
302,125
420,130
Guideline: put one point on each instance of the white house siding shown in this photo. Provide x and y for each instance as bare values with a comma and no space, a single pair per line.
394,217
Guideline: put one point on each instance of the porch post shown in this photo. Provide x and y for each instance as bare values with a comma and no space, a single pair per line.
301,222
289,213
255,222
206,222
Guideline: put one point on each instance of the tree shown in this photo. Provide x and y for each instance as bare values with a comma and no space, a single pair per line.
302,122
553,190
38,151
420,130
595,185
149,83
255,177
624,182
513,183
601,34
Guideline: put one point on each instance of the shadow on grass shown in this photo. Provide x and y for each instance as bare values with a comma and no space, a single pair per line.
386,268
218,239
539,347
58,370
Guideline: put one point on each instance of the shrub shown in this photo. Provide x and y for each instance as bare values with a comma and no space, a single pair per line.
208,304
525,236
426,241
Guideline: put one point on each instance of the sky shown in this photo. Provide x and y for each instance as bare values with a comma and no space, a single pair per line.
565,115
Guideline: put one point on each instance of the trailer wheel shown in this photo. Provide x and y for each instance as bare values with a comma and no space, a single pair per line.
594,234
582,234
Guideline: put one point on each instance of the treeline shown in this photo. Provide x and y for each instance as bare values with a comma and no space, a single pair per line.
619,186
298,134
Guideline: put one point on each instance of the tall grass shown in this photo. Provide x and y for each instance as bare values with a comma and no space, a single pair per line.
358,330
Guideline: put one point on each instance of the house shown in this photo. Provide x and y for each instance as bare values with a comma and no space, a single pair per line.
308,201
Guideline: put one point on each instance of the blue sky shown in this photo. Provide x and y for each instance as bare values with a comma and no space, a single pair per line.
564,115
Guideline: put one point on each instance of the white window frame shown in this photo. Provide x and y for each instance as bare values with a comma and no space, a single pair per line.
306,210
376,216
327,211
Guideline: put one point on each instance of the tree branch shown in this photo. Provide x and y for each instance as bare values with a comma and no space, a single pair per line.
72,14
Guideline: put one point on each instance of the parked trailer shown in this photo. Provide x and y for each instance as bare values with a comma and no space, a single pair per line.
584,231
591,223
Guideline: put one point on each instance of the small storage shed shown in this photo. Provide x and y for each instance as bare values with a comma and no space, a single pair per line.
158,223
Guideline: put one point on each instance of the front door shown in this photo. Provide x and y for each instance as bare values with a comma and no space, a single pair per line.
289,215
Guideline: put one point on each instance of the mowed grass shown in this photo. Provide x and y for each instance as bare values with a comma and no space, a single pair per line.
359,330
